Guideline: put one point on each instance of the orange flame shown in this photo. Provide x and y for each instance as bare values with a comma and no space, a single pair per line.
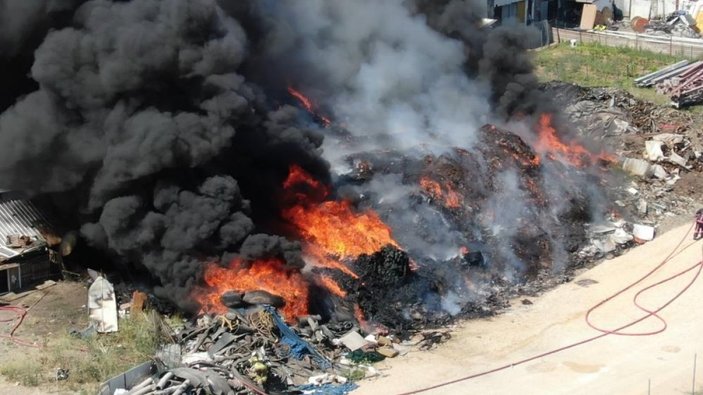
331,286
445,192
308,105
302,188
332,231
526,161
359,315
268,275
549,144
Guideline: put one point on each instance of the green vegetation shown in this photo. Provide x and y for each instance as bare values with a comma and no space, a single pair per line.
89,361
24,372
592,64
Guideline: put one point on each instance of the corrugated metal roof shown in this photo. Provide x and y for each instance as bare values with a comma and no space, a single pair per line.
20,217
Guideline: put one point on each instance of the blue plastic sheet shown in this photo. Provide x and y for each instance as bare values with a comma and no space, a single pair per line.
328,389
298,346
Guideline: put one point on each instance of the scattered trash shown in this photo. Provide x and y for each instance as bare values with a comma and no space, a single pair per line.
659,172
86,333
353,341
387,351
636,167
643,232
61,374
252,350
653,150
102,307
360,356
620,236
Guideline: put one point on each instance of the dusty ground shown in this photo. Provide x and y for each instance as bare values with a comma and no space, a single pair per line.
52,313
610,365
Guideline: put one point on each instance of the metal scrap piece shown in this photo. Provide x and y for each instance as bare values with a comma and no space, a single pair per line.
225,340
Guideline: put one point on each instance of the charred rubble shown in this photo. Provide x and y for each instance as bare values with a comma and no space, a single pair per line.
431,289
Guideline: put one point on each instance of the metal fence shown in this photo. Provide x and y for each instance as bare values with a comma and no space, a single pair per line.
678,46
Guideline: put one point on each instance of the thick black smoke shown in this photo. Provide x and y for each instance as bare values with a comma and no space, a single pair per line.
23,26
161,125
134,109
498,55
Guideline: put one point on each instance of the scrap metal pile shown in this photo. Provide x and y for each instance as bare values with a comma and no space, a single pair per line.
253,351
679,23
682,82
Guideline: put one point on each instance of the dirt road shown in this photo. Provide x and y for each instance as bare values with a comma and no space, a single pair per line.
610,365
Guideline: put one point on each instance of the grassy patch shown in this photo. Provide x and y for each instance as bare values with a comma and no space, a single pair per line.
25,372
592,64
89,361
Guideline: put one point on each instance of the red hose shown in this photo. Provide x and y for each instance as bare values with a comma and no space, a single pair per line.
604,332
672,254
20,314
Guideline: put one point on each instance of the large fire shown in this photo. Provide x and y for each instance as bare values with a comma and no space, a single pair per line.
331,231
550,145
309,106
268,275
442,192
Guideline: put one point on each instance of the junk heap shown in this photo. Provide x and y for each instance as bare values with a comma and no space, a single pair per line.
679,24
251,349
661,155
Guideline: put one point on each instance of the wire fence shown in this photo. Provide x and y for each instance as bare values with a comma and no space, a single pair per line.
674,46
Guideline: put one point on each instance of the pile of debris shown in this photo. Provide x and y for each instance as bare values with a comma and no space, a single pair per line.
682,82
616,118
679,23
660,148
613,237
252,350
664,156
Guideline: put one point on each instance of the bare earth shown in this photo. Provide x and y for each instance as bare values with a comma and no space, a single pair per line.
53,311
610,365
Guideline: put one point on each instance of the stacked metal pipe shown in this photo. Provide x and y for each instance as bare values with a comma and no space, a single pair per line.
682,82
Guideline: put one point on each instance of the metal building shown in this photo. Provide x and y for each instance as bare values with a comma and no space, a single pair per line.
25,238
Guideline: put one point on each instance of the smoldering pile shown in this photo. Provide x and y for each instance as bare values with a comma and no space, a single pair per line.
477,227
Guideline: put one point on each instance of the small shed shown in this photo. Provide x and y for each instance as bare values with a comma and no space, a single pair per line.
25,239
